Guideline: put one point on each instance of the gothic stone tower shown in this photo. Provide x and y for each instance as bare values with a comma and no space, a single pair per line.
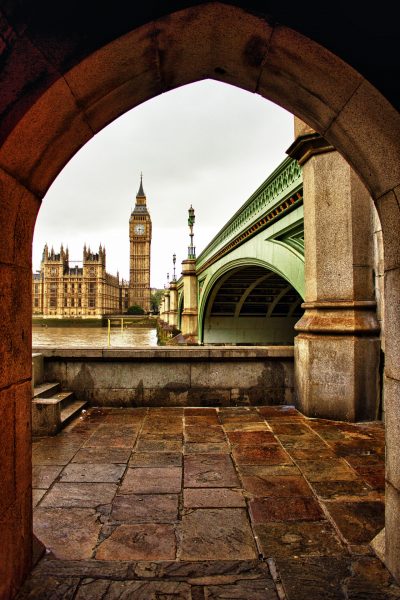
140,241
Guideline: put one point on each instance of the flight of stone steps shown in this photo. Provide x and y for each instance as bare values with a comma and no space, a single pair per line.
52,408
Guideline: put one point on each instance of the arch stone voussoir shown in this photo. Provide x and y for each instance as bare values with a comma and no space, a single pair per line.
305,78
45,139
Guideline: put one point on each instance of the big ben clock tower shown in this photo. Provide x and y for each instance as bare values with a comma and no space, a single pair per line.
140,241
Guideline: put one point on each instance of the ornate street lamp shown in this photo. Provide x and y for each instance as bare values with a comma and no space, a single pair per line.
191,219
174,261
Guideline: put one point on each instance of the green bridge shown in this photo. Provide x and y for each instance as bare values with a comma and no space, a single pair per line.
249,280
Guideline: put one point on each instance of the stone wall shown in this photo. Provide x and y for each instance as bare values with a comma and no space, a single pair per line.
174,376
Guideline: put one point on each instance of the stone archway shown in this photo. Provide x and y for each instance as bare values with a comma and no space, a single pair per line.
57,99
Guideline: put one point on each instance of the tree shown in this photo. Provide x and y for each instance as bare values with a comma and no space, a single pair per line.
155,300
136,310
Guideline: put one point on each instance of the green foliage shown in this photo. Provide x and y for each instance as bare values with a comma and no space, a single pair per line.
136,310
155,300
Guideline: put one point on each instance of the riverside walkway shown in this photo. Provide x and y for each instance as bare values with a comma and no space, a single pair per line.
204,503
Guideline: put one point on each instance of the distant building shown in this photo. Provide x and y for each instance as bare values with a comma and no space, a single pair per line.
79,291
88,291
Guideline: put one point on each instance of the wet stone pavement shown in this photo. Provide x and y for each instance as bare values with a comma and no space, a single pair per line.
200,504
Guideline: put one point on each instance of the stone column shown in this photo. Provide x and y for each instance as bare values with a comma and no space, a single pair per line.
337,346
161,308
189,323
173,304
166,306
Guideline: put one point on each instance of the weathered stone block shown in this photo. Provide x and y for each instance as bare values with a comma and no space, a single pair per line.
392,530
337,376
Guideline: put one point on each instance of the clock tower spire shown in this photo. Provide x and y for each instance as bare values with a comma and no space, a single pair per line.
140,242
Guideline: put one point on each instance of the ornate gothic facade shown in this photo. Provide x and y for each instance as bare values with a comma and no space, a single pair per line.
88,291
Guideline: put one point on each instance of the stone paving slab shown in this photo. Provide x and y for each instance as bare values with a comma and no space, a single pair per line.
301,538
50,588
311,453
294,508
208,433
252,426
217,533
47,455
37,495
68,533
342,490
289,428
213,498
82,495
331,578
44,475
276,486
303,495
111,438
263,589
102,455
327,470
252,438
302,442
97,473
207,448
137,590
150,445
147,541
149,480
196,572
358,522
156,459
260,455
209,470
157,508
279,412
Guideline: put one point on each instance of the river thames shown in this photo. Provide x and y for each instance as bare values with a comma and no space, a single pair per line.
92,337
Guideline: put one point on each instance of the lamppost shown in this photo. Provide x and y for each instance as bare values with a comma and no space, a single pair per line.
191,219
174,261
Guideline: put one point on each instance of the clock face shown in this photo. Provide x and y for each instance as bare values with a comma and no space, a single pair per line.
53,271
139,229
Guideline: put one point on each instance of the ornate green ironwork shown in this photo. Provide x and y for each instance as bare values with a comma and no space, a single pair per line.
285,181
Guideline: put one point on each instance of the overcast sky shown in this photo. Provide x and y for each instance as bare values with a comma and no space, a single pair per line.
207,144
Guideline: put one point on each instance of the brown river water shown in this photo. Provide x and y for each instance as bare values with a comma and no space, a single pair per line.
92,337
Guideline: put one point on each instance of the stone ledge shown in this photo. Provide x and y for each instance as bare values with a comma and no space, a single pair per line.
170,353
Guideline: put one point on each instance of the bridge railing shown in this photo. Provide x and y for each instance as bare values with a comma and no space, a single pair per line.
284,181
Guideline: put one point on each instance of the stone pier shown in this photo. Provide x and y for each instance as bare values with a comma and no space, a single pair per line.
337,347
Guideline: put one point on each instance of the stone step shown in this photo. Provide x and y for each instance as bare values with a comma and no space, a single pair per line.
50,415
71,410
46,390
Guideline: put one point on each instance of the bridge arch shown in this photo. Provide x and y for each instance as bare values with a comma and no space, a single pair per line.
235,287
66,89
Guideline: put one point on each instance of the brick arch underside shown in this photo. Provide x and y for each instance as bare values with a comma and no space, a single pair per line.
53,104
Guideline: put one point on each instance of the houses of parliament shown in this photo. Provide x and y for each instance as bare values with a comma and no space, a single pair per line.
87,290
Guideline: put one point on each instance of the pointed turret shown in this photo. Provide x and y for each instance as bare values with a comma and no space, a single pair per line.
141,193
140,205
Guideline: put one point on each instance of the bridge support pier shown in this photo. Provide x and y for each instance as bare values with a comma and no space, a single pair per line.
189,324
173,305
337,348
166,306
